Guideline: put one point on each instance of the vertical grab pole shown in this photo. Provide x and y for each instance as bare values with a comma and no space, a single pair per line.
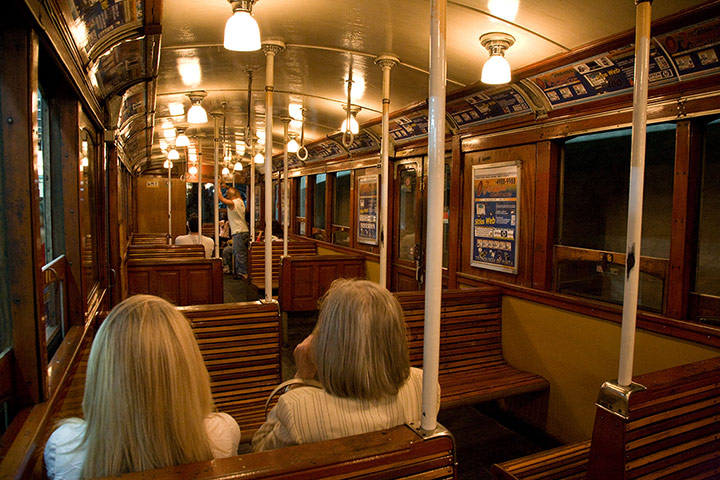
200,189
271,48
386,62
436,179
635,200
216,140
285,204
169,203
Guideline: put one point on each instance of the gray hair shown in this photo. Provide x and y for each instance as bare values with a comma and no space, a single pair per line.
360,341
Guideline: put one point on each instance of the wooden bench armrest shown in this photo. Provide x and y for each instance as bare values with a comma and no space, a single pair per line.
398,452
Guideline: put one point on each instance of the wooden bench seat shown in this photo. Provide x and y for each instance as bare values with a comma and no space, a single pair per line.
671,429
256,259
141,252
396,453
305,278
240,343
149,239
472,365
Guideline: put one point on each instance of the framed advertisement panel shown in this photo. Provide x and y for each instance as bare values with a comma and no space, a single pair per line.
367,231
495,216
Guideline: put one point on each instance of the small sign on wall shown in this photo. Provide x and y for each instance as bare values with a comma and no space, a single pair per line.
152,184
495,216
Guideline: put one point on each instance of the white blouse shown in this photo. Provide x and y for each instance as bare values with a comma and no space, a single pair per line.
64,454
308,414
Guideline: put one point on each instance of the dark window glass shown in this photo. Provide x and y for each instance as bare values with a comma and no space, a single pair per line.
707,279
319,202
341,199
300,212
593,206
408,181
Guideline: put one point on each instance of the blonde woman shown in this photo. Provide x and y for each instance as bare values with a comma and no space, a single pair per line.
358,353
147,400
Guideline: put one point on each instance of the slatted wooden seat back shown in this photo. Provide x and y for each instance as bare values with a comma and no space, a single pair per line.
161,252
472,365
672,430
149,239
396,453
240,343
182,281
256,259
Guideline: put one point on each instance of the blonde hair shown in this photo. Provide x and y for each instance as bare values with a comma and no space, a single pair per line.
360,341
233,193
147,391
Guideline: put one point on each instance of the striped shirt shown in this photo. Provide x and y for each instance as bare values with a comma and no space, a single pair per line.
308,414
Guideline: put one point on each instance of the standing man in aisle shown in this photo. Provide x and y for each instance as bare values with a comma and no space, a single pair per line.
238,229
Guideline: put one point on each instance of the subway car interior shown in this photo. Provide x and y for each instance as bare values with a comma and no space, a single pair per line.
536,182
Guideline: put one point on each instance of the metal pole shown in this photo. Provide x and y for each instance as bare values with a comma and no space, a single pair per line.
285,204
635,200
216,141
386,62
251,193
170,241
436,179
271,48
200,189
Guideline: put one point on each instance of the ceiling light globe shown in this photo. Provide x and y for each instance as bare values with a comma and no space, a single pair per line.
238,167
197,114
173,155
292,146
259,158
182,140
354,126
496,71
242,33
226,171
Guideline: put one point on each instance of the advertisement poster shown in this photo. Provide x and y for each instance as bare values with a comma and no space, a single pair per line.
368,209
495,216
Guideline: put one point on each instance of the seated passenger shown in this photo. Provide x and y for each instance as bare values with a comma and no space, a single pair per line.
359,354
195,238
147,400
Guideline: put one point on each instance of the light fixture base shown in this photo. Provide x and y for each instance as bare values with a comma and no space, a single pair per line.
197,96
495,41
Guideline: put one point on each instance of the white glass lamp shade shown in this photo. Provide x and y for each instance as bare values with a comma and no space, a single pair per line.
496,70
182,140
259,158
292,146
163,144
197,114
167,164
193,170
242,33
173,155
226,171
238,167
354,126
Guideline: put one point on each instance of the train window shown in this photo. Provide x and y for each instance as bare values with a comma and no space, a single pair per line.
88,213
408,182
300,210
44,178
594,184
707,278
319,202
341,208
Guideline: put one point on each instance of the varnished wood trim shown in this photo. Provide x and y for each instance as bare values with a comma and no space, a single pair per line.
683,237
544,214
455,213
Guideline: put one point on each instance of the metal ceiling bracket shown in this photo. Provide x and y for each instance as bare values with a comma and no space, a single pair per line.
615,398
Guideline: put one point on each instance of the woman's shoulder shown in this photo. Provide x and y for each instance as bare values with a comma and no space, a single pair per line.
70,431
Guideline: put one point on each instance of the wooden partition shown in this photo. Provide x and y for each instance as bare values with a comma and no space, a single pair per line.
304,279
184,281
256,259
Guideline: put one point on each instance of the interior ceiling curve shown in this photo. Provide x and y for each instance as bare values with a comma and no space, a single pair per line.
146,55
